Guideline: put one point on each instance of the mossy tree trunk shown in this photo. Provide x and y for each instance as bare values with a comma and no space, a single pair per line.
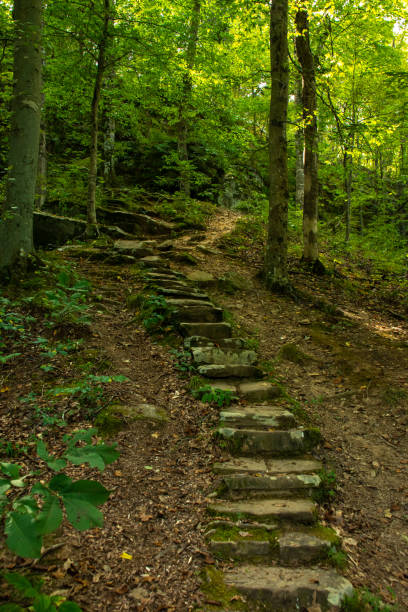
311,186
276,247
185,101
92,224
16,224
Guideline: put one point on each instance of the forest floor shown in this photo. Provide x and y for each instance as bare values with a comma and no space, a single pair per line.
343,369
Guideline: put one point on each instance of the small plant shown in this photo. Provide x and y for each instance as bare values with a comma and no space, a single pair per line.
184,363
155,314
337,557
36,511
11,449
363,600
328,487
211,395
39,602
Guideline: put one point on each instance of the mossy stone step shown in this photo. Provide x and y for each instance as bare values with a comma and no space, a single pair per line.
169,274
279,589
137,248
225,344
213,331
248,465
153,261
257,417
229,370
258,391
243,486
217,355
267,510
258,545
278,442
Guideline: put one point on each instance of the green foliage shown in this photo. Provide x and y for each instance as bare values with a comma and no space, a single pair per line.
337,557
363,600
38,601
328,487
210,395
155,313
186,212
248,234
87,395
27,520
184,361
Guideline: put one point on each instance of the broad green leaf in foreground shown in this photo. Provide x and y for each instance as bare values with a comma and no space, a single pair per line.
22,536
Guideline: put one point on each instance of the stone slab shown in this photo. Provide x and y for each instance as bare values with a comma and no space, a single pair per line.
258,391
253,442
298,547
266,510
190,294
137,248
229,371
214,331
241,465
203,312
281,589
241,550
200,277
282,485
257,417
217,355
293,466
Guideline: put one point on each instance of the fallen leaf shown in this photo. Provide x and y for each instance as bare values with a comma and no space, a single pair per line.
126,555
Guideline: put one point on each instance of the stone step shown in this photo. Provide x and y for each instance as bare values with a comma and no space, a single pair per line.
248,465
279,589
137,248
258,391
170,274
278,442
228,344
190,294
216,355
167,283
267,510
244,486
214,331
154,262
198,312
257,417
228,370
258,544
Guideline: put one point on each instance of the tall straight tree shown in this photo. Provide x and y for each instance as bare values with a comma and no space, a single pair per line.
311,187
16,224
93,148
185,100
276,246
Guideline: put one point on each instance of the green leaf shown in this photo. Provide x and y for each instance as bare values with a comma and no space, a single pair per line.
60,483
11,607
26,504
44,603
80,502
22,537
4,486
10,469
21,584
84,435
96,455
54,464
50,517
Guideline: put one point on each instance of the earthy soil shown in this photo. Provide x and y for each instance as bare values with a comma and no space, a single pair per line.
351,382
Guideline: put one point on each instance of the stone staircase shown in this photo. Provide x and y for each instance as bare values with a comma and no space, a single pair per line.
263,517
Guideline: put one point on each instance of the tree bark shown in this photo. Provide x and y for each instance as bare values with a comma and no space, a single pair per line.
92,224
276,247
16,224
187,85
299,149
311,187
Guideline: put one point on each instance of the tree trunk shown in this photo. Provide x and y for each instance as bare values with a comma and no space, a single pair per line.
311,187
183,128
299,149
109,150
16,225
276,247
348,184
92,224
42,168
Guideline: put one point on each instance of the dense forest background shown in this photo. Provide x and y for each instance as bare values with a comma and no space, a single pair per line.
169,102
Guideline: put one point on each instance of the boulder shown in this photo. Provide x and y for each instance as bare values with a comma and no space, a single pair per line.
54,230
201,278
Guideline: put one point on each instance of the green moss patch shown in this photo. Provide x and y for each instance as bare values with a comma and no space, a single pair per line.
214,587
233,533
